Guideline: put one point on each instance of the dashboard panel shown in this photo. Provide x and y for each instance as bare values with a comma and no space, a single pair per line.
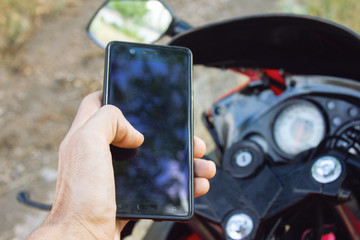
302,123
314,110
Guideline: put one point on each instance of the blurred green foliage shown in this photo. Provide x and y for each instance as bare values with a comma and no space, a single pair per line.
18,18
133,13
345,12
129,9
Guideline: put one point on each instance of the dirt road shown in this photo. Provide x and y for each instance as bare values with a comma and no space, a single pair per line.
43,84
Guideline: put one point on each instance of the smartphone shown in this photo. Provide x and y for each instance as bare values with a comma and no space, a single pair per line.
152,86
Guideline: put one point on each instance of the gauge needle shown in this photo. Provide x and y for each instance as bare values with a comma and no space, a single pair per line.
298,136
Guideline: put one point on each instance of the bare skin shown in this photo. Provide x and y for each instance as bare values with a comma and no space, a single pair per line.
84,205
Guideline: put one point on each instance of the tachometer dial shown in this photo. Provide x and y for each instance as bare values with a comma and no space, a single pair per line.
299,127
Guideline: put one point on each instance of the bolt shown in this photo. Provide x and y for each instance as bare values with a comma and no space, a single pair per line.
219,110
292,83
239,226
337,121
344,195
326,169
331,105
353,112
243,158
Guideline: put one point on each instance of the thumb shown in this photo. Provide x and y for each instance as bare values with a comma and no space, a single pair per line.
111,126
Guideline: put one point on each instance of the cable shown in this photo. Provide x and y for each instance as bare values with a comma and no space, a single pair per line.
24,197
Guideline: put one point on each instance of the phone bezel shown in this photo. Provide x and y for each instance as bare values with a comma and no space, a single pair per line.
190,110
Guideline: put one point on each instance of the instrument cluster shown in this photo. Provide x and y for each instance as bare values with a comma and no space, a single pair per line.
298,127
302,123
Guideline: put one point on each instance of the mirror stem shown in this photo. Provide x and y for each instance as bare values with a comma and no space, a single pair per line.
179,26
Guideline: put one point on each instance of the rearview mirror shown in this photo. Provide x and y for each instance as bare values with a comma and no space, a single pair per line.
131,21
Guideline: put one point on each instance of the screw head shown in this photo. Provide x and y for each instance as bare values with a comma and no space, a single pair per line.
239,226
326,169
219,110
243,158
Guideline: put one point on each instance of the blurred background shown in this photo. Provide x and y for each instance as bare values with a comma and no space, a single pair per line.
48,64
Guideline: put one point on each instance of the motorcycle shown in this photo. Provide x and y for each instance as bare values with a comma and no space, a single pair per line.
287,140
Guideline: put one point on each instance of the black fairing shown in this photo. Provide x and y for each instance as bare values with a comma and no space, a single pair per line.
295,43
268,190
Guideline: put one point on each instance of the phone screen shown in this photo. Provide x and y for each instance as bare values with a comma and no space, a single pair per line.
152,87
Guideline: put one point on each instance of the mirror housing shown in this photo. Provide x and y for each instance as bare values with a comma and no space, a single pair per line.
130,21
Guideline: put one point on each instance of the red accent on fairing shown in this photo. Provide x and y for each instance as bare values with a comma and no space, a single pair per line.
354,221
275,75
254,75
194,236
329,236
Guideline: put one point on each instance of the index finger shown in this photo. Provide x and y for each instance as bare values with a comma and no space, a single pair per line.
199,147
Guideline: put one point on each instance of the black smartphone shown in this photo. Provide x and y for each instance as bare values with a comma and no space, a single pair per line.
152,86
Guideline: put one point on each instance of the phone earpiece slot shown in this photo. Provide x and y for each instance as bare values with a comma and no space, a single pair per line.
151,53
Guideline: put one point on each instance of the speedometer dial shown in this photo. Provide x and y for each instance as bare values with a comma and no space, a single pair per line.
299,127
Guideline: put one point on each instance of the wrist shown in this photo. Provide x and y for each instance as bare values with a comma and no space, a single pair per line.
63,230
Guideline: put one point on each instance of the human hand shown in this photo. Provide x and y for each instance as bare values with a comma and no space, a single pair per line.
84,206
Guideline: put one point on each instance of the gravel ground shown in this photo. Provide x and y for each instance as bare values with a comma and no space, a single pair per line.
42,85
